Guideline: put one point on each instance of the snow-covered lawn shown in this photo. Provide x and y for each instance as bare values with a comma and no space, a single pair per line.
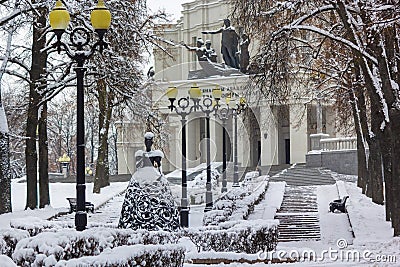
373,237
58,202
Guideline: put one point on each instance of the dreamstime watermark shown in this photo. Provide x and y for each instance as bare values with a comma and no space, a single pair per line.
340,253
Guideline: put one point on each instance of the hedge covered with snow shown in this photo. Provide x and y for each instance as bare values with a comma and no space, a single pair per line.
236,204
64,245
37,225
127,256
67,244
239,236
9,239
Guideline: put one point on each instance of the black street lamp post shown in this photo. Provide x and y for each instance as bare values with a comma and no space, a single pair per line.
183,109
81,51
236,109
235,155
207,110
223,115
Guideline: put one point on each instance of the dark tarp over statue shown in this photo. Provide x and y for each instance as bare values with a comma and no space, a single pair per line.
148,200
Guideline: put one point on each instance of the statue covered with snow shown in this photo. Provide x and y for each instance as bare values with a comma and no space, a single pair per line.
148,201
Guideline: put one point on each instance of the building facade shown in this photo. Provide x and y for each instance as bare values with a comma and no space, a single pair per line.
268,134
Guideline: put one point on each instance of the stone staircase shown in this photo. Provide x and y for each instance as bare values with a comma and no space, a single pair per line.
298,215
300,175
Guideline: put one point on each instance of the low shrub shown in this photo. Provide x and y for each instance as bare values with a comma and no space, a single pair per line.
67,244
235,204
240,236
9,239
37,225
127,256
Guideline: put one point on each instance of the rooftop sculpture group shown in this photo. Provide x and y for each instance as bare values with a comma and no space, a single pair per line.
230,42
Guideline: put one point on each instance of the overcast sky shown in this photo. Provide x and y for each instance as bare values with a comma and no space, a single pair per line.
173,7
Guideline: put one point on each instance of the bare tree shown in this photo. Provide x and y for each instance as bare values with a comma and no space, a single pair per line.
369,31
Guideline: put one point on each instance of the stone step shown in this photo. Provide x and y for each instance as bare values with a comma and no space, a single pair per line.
297,227
297,209
299,239
302,183
297,205
298,219
303,201
298,215
306,233
296,224
305,172
305,176
306,181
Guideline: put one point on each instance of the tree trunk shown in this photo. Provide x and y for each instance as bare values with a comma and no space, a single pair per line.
5,171
5,174
375,181
37,72
375,187
387,154
44,195
30,151
395,189
102,177
361,125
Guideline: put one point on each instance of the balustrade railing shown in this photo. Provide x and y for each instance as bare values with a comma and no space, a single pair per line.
341,143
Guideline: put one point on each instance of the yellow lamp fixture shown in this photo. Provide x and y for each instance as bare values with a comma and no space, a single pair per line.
242,101
195,92
172,92
64,159
100,17
232,103
59,17
217,93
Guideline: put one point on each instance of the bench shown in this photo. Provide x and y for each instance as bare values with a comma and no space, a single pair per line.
72,205
338,204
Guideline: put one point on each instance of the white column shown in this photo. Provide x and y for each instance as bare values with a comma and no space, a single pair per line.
298,133
173,155
243,145
216,139
319,117
269,136
192,140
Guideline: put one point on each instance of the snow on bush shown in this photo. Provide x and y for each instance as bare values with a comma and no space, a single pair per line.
136,255
6,261
65,244
236,204
201,179
241,236
56,246
9,239
37,225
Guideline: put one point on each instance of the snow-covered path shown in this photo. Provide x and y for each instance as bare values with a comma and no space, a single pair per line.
108,214
303,210
267,208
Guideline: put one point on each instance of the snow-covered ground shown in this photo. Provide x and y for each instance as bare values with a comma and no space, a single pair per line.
272,202
372,244
58,194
